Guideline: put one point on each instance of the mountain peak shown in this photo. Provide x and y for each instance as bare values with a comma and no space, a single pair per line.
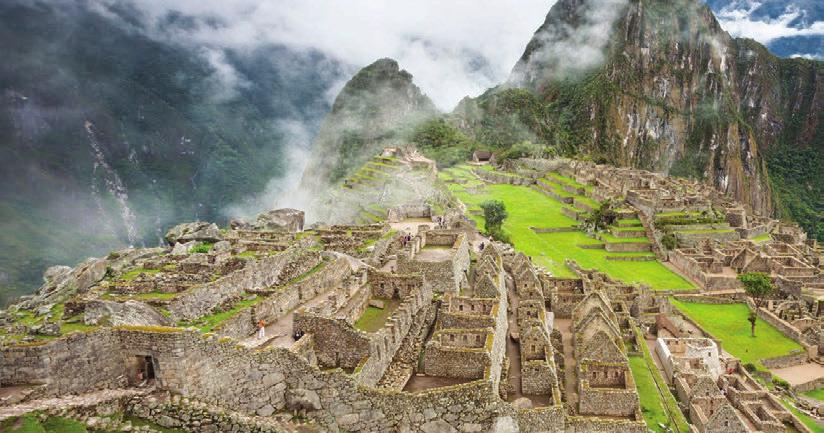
371,112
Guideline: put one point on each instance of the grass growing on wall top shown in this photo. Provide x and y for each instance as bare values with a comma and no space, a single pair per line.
728,323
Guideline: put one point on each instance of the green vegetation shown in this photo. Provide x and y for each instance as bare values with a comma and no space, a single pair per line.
373,318
817,394
795,175
652,400
494,216
202,248
728,323
805,419
442,142
758,285
529,208
669,241
29,423
210,322
602,216
763,237
134,273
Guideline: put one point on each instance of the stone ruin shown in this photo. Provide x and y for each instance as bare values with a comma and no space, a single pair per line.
404,324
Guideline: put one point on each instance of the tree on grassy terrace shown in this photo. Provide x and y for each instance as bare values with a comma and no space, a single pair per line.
669,241
602,217
494,216
758,286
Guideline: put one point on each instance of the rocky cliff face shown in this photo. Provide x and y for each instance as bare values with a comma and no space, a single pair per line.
375,109
657,84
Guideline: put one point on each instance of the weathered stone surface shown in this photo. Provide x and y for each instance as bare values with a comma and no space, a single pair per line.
303,399
193,231
438,426
61,282
123,313
290,220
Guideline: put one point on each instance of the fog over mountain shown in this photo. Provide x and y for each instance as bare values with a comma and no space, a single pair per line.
121,116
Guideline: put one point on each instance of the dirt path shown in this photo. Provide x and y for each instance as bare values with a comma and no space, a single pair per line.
71,401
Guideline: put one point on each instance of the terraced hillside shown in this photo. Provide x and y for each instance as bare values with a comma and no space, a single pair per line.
543,223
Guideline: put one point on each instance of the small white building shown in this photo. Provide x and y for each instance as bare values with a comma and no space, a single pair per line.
689,355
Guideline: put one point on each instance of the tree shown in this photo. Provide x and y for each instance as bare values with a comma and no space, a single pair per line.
757,285
494,216
602,217
669,241
751,318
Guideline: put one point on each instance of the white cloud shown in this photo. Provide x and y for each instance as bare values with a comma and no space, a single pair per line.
741,23
453,48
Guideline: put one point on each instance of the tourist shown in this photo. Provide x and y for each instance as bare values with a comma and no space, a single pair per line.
261,329
482,246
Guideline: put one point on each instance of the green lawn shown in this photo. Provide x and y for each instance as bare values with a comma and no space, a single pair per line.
812,424
817,394
651,400
763,237
373,319
529,208
728,323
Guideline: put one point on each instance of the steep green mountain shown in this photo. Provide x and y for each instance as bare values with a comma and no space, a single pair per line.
377,108
657,84
109,136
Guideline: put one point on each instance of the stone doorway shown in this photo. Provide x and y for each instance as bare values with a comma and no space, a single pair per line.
142,370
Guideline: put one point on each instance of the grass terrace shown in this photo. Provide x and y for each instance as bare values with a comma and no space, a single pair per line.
763,237
816,394
373,318
728,323
652,402
812,424
607,237
530,208
134,273
212,321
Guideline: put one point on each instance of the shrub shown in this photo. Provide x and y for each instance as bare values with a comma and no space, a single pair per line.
750,367
494,215
781,383
202,248
500,235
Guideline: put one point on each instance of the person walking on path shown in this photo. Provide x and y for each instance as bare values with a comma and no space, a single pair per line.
261,329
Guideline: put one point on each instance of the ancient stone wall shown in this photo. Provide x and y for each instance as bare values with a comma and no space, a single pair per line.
337,343
589,425
388,285
265,272
606,401
386,342
76,363
541,419
254,382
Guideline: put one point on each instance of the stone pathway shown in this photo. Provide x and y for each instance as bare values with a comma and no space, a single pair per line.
71,401
570,375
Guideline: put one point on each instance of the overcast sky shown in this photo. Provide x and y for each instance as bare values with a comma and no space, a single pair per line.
453,48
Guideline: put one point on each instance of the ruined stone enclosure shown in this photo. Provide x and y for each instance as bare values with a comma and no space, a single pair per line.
417,322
